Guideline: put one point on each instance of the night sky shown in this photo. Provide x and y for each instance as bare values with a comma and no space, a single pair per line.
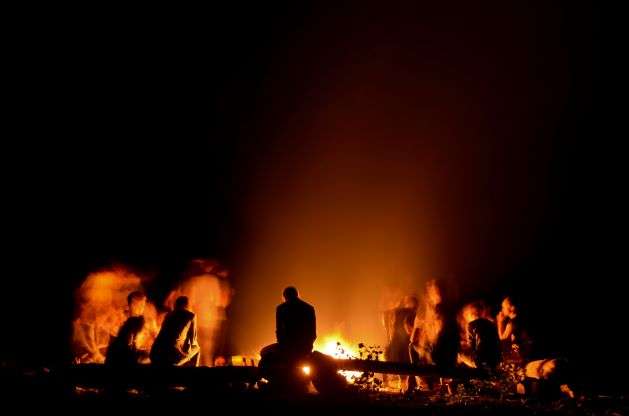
321,147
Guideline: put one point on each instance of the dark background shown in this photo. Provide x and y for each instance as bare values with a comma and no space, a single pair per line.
136,136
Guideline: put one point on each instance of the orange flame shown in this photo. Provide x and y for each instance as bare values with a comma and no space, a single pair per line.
337,347
101,310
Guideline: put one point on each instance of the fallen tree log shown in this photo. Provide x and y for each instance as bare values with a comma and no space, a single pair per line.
388,367
98,375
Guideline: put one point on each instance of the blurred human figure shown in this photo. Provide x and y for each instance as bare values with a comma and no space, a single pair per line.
207,286
435,336
515,342
398,335
85,338
176,344
549,378
136,301
124,349
482,345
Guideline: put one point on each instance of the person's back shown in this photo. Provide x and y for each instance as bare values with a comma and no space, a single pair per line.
295,323
484,343
446,347
176,342
123,350
174,328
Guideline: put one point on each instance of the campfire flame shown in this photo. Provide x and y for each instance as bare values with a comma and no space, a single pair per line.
337,347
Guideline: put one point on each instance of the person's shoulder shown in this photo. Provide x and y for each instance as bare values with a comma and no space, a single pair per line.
485,327
308,306
300,301
187,315
476,323
136,320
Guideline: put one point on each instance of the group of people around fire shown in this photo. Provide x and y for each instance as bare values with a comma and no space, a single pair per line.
437,333
433,333
176,343
117,324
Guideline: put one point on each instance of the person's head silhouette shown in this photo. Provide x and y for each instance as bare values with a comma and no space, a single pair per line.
181,303
136,302
291,294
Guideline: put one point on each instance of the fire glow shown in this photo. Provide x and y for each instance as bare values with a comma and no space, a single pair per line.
335,346
101,309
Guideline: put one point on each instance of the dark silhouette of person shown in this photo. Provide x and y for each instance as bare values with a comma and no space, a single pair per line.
295,324
176,343
446,348
123,350
482,339
282,363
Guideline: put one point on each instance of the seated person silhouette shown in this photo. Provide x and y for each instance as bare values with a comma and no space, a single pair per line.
176,344
295,324
296,330
123,350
